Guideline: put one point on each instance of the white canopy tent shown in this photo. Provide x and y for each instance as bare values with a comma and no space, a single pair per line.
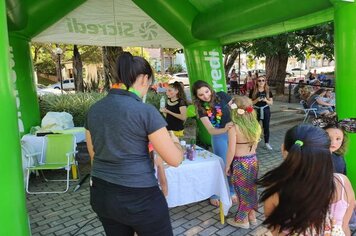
108,23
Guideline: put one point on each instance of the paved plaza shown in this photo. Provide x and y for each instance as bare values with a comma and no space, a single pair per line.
71,214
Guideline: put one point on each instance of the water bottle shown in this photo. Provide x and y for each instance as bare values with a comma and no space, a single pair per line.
183,144
162,102
189,152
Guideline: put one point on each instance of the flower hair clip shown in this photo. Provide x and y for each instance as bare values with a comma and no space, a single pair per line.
233,106
241,111
249,109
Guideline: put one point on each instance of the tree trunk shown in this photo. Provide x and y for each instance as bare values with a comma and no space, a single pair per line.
276,71
229,61
163,70
77,70
110,54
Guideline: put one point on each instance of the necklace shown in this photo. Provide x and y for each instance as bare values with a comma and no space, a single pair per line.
122,86
214,115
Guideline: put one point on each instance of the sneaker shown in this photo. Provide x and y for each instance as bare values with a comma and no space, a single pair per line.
232,222
268,146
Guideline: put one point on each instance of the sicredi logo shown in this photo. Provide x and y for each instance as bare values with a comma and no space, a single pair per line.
215,68
146,30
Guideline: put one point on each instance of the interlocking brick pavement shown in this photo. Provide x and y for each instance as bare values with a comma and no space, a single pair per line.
64,214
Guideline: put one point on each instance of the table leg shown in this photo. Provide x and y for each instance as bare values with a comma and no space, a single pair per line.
222,217
74,172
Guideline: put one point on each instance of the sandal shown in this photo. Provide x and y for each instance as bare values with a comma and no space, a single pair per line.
232,222
253,222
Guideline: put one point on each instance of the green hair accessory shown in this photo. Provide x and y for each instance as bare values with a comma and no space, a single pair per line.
299,142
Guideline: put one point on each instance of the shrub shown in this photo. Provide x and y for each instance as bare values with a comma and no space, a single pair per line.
175,69
153,98
76,104
159,78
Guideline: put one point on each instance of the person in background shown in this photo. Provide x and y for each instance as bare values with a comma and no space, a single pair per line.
249,81
241,160
255,76
214,112
262,98
305,92
176,109
338,146
233,82
124,192
329,97
321,77
160,88
316,101
303,196
297,88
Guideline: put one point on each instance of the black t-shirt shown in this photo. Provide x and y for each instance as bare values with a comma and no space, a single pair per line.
262,94
173,122
219,115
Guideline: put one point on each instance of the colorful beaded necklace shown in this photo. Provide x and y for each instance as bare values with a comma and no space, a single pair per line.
214,115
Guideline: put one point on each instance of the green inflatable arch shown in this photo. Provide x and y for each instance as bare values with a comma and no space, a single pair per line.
201,27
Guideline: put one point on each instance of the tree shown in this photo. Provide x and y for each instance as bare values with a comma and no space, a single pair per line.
138,51
110,55
231,52
277,49
77,70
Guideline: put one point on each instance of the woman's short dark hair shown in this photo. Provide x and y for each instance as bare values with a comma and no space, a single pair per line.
130,67
304,182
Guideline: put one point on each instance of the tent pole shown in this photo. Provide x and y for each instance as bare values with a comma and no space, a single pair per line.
345,73
14,220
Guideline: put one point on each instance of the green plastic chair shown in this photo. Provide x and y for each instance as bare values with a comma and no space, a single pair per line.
58,152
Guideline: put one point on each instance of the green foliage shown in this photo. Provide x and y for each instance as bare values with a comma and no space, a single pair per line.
46,67
162,78
175,69
316,40
138,51
250,61
75,104
78,104
91,54
153,98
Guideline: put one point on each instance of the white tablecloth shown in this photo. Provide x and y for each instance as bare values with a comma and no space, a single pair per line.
37,142
197,180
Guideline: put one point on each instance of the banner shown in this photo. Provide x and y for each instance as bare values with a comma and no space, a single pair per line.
108,23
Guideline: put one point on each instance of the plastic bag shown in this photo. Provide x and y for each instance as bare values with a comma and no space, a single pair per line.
57,121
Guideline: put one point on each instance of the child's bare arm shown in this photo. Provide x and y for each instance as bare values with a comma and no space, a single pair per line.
231,149
161,175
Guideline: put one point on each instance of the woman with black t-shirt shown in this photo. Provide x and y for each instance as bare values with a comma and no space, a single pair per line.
176,109
262,98
214,112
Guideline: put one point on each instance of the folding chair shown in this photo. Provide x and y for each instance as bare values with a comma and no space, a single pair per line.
58,152
308,111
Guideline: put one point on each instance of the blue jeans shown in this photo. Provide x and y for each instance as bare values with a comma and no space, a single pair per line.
220,146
